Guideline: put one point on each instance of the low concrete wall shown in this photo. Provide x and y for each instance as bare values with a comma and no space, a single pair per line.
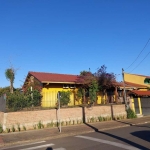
30,118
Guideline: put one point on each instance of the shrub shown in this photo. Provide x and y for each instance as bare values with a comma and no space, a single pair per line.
7,130
15,101
1,128
18,127
24,128
100,118
13,128
130,113
40,125
33,98
64,98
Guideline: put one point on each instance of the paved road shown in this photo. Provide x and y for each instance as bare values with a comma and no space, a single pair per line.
127,138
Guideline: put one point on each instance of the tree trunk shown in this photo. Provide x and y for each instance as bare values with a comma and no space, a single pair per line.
83,96
116,95
11,87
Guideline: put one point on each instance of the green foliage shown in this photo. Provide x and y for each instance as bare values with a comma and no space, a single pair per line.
62,123
4,90
64,98
1,128
24,128
13,128
93,89
100,118
10,75
80,93
33,98
18,127
17,100
7,130
89,87
40,125
131,113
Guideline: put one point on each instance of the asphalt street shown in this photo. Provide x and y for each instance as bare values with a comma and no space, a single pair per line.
135,137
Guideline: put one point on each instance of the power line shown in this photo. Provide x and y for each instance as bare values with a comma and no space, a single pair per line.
139,54
141,61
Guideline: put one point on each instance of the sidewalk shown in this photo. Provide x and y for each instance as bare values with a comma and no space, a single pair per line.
52,133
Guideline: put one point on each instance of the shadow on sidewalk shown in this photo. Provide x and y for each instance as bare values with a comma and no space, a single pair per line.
111,135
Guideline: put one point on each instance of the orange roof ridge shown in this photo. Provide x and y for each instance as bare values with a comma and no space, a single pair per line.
52,73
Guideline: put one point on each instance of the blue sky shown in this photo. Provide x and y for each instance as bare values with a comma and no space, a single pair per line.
69,36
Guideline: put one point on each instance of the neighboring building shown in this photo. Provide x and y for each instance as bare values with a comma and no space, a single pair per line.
140,93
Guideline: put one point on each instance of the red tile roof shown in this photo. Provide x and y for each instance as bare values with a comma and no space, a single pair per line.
53,77
140,93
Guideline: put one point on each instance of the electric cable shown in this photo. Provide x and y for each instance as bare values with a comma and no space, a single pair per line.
141,61
139,54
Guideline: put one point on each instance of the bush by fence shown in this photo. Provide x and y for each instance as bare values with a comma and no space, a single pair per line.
17,100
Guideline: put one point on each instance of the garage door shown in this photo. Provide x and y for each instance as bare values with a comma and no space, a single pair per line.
145,105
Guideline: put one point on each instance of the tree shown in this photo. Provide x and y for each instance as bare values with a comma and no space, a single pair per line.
88,88
64,98
4,90
105,80
32,82
10,75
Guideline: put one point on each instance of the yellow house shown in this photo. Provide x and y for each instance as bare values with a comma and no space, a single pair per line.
140,94
51,84
142,80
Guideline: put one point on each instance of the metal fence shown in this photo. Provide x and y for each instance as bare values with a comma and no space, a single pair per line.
3,103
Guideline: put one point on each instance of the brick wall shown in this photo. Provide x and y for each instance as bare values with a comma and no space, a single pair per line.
119,111
30,118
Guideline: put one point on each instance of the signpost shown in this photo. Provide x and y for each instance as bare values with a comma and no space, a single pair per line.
59,120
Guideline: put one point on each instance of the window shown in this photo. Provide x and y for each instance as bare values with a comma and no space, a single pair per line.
65,86
72,86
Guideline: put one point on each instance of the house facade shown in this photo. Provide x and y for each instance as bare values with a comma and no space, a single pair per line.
139,92
52,83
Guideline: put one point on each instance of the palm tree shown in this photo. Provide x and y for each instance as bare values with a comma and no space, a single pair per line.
10,75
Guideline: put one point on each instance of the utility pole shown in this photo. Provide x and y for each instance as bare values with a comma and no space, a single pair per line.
125,98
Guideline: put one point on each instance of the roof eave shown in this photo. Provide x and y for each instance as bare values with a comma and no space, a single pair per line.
60,82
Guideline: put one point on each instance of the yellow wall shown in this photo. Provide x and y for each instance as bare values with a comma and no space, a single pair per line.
135,79
49,93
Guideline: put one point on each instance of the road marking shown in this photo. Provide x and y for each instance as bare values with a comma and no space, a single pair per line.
23,145
109,142
35,147
59,149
